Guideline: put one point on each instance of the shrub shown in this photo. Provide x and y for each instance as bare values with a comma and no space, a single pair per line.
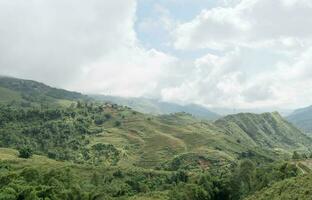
117,123
25,152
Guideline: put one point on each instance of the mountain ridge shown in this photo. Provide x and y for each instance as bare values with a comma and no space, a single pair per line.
156,107
27,93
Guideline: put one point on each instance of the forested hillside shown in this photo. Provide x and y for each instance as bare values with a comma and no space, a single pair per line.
94,150
28,93
289,189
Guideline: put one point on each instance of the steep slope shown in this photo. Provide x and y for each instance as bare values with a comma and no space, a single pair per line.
268,130
289,189
302,118
31,93
153,106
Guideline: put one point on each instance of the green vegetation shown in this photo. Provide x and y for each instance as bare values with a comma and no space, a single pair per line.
56,144
43,178
25,152
27,93
289,189
267,130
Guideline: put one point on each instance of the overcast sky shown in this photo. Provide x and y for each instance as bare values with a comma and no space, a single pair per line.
217,53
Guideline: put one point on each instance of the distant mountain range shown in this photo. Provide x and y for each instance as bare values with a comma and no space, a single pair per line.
227,111
302,118
157,107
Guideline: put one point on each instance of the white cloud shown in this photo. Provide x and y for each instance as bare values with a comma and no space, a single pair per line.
233,81
250,22
263,59
130,71
51,40
259,50
88,46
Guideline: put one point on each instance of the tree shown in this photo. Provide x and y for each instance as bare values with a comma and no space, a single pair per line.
108,116
25,152
117,123
243,178
189,192
295,156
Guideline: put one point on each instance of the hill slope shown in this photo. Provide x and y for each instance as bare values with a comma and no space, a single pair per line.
31,93
152,106
268,130
302,118
289,189
114,135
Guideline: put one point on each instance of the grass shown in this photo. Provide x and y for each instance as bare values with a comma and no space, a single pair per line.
8,96
64,102
11,155
8,154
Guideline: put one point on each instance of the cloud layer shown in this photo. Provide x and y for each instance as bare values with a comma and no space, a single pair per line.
254,53
263,54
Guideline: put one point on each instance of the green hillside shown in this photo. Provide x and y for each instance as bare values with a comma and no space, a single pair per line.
156,107
127,137
39,177
28,93
302,118
7,96
269,130
95,150
43,178
289,189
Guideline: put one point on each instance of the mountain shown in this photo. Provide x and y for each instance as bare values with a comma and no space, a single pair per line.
302,118
268,130
101,150
149,140
31,93
153,106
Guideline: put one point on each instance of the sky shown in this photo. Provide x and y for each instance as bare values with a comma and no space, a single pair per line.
216,53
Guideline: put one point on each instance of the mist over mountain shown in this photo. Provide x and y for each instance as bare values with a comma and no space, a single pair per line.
157,107
302,118
227,111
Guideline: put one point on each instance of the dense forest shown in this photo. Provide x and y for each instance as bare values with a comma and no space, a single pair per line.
87,149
